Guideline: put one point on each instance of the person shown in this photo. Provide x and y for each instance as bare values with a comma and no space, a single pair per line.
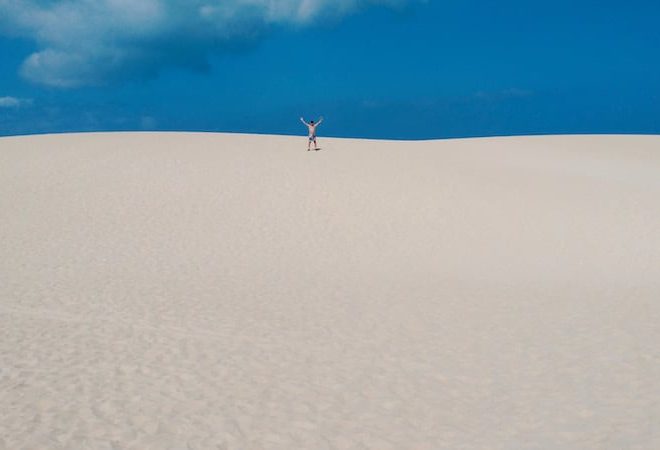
311,127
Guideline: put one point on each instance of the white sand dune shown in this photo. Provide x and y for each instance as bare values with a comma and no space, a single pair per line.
199,291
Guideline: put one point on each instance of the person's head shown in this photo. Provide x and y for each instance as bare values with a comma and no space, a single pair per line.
312,122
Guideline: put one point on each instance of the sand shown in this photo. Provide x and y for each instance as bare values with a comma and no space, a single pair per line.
200,291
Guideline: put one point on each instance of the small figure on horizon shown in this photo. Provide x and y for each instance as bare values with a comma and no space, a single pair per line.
311,127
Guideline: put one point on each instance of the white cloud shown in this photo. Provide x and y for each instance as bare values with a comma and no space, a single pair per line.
89,42
13,102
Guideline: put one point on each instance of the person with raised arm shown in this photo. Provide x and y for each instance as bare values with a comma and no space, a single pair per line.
311,127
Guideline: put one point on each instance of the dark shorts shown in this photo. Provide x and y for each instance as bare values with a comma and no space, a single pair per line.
312,137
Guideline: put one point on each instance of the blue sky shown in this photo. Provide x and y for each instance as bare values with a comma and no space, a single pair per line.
378,69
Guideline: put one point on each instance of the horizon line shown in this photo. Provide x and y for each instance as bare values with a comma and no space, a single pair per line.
446,138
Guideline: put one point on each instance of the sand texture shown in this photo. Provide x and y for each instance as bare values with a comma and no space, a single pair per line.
219,291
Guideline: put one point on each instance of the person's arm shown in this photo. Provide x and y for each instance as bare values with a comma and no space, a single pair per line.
320,120
303,121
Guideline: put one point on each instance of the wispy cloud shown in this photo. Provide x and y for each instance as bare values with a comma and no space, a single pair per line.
83,42
14,102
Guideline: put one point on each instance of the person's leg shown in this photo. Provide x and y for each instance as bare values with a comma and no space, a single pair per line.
309,143
316,147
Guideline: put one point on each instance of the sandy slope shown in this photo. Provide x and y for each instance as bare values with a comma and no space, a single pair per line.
234,291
